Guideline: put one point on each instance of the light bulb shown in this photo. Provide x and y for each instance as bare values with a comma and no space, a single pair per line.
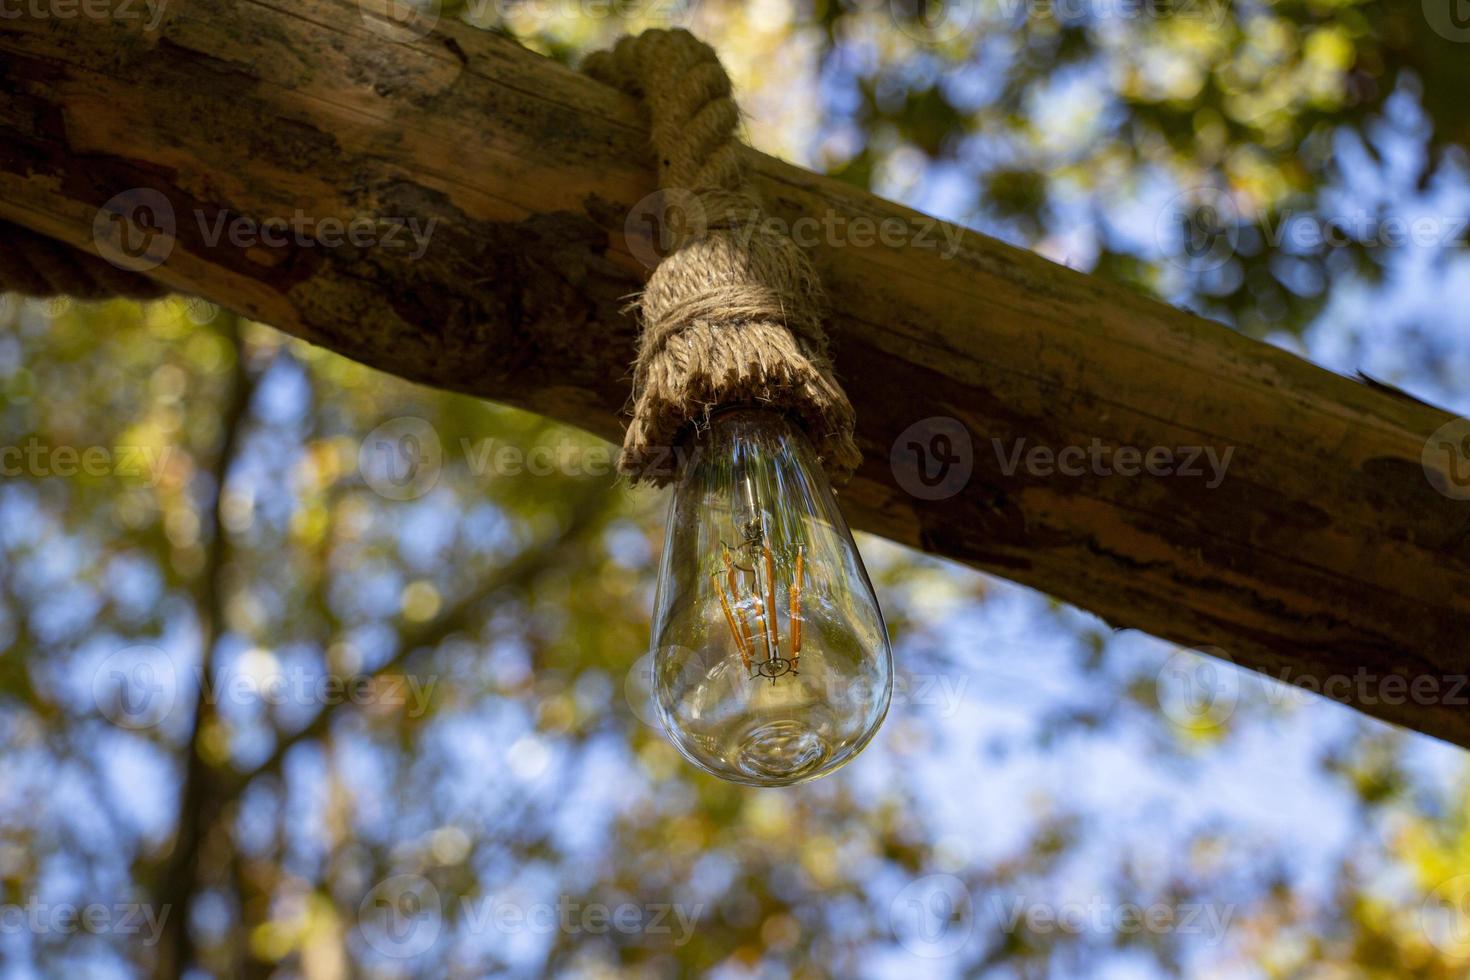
771,660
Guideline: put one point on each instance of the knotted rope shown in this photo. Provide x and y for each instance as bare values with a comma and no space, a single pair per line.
733,314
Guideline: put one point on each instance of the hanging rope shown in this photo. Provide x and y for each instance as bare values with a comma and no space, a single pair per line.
733,314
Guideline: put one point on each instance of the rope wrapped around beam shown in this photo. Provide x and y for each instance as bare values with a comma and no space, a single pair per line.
733,314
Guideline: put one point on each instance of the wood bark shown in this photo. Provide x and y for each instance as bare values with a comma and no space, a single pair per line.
1324,553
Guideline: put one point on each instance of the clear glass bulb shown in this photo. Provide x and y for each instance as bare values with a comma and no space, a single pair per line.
771,660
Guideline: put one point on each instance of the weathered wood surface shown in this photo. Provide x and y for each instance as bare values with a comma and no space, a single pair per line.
1323,552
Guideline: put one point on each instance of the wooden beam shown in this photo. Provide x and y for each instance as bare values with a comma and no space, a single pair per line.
1323,551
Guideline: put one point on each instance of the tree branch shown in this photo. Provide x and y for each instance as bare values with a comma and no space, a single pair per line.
1323,551
199,797
460,617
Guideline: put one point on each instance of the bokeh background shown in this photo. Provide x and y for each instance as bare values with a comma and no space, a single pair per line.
403,724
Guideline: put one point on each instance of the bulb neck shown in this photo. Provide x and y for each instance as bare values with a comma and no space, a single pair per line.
752,417
742,434
750,409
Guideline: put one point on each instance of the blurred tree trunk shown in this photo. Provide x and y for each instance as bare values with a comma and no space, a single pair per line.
1323,551
201,796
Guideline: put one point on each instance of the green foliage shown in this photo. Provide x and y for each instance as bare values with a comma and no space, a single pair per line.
487,739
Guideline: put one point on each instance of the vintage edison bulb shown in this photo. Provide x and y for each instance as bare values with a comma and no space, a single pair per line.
771,660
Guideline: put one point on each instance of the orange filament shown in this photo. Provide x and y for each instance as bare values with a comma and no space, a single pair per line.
763,597
743,630
730,618
796,608
771,601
